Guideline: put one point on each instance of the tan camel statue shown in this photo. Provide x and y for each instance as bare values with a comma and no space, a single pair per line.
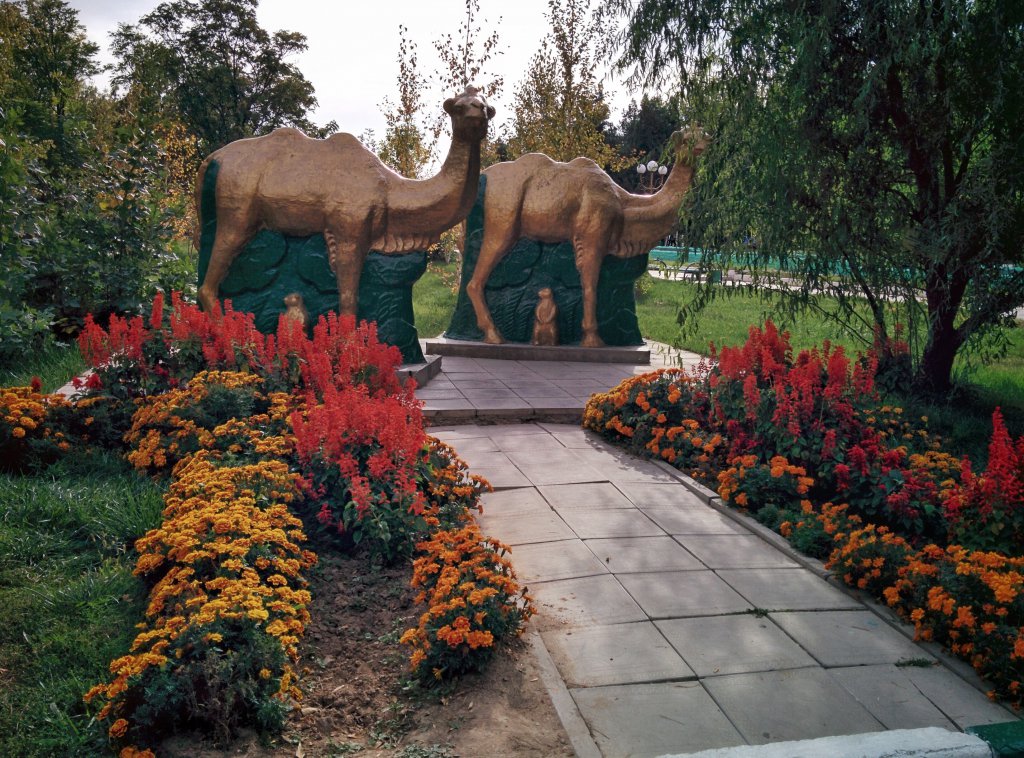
299,186
548,201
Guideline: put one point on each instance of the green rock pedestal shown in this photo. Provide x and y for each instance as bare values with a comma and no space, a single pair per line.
511,291
274,265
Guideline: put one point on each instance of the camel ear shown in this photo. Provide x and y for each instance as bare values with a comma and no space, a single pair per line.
449,105
490,112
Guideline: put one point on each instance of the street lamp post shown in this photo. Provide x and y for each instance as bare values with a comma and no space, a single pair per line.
653,173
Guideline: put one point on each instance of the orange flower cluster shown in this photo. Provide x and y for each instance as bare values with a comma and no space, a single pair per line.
472,598
971,601
166,428
776,483
228,604
24,412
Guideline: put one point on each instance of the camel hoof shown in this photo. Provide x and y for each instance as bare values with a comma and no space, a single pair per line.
591,340
493,338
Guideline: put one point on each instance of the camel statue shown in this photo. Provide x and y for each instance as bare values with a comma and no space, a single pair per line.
548,201
299,186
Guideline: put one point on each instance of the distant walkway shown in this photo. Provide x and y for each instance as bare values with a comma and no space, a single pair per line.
675,625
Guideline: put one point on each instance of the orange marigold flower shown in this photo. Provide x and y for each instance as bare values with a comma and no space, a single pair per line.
118,729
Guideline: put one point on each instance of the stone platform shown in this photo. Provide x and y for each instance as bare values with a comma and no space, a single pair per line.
514,351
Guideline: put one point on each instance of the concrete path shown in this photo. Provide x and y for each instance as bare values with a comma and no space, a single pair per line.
671,624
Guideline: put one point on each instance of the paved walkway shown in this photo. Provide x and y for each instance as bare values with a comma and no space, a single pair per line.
675,625
475,388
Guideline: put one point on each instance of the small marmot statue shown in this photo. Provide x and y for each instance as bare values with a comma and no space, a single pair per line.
295,309
545,319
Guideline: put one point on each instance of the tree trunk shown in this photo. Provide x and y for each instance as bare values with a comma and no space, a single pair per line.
934,372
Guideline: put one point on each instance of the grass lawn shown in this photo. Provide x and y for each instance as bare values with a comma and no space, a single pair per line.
69,598
433,298
54,365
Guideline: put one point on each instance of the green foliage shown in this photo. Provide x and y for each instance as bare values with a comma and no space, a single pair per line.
559,107
406,145
881,138
211,64
85,209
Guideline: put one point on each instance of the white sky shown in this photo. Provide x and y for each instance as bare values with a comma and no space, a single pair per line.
351,59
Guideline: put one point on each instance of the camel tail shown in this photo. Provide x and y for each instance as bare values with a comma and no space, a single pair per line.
206,212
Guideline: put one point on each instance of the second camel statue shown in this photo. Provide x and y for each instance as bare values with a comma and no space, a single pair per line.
547,201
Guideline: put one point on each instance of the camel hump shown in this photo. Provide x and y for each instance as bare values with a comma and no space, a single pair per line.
582,162
288,132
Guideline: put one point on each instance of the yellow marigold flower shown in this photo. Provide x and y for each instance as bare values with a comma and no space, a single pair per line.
264,673
18,432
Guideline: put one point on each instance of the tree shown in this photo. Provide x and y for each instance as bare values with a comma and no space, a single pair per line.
210,63
465,59
559,107
643,134
406,145
48,59
882,139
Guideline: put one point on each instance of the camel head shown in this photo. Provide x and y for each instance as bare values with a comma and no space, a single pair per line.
470,114
689,143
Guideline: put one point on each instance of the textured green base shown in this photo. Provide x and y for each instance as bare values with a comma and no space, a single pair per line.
511,291
273,266
1006,739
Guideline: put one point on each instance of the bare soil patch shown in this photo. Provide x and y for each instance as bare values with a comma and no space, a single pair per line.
358,701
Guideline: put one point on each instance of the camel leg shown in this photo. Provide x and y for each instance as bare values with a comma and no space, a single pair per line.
588,263
349,257
231,237
492,249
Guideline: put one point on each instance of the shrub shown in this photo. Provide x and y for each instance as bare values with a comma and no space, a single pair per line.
359,454
226,609
986,511
473,601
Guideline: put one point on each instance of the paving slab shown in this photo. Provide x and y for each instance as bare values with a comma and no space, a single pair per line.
737,644
546,561
719,551
689,520
498,432
963,704
638,555
584,602
787,589
677,594
521,501
502,477
589,496
890,696
452,434
615,654
521,530
488,393
553,468
675,495
528,442
579,439
772,706
610,522
643,720
848,638
621,467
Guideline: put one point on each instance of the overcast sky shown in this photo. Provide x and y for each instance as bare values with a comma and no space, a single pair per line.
353,45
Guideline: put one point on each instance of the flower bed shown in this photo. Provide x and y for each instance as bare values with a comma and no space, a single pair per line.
807,446
266,439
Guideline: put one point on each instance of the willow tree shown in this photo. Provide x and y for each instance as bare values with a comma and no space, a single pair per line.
875,145
559,107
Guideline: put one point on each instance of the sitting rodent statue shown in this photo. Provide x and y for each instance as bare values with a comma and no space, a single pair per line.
545,319
295,309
